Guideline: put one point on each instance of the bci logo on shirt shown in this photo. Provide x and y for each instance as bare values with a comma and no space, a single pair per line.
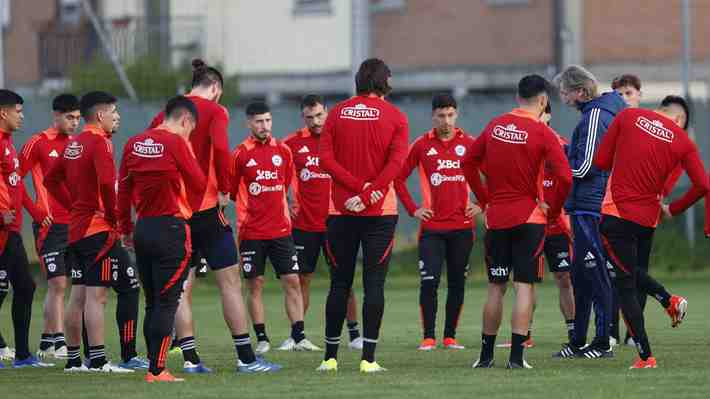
447,164
312,161
266,175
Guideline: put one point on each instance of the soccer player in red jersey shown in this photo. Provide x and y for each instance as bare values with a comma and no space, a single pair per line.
447,226
641,149
261,174
14,267
557,250
156,167
212,236
363,148
83,181
52,232
310,204
512,151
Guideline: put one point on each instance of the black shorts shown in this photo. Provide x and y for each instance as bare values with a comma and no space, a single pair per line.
280,251
13,260
103,264
308,248
624,242
52,249
452,246
557,253
515,250
162,255
213,238
348,233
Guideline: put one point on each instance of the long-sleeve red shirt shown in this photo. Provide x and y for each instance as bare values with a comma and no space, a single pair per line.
210,143
261,174
83,180
642,148
364,140
12,190
156,168
37,157
512,151
310,184
443,184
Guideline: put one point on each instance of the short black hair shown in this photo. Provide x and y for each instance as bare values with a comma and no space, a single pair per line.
679,101
443,100
311,100
178,105
9,98
532,86
204,75
90,101
257,108
64,103
372,77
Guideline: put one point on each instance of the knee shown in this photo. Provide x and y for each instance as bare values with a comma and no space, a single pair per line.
291,282
563,280
97,295
430,284
26,290
256,285
228,279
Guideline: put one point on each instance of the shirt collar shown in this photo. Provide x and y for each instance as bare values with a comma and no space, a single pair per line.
524,114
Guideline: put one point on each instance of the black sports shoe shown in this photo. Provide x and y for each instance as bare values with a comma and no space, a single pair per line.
594,351
483,364
568,351
513,365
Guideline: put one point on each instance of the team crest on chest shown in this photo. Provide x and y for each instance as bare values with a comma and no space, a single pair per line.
460,150
276,160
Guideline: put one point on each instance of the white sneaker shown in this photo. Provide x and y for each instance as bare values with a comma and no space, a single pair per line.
61,353
356,344
80,369
7,353
262,347
613,342
307,346
288,345
45,354
110,368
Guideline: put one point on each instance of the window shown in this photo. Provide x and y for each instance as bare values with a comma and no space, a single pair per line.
495,3
312,7
388,5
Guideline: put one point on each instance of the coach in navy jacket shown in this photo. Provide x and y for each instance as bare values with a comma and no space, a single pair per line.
589,183
590,278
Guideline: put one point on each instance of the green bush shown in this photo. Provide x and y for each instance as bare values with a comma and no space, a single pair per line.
151,80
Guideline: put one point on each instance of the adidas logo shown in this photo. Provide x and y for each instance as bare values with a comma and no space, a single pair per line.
589,256
295,267
432,151
563,264
251,163
304,150
54,154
